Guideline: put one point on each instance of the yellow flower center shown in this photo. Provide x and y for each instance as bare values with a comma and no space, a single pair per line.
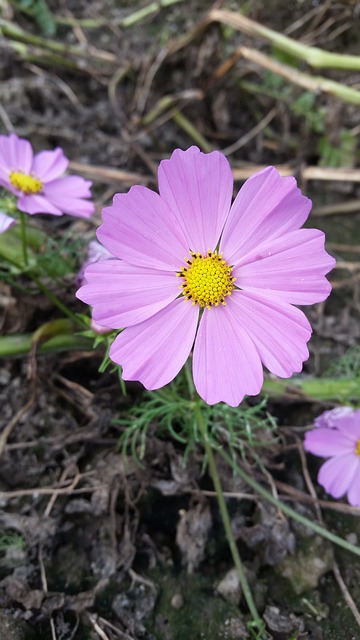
357,448
207,280
25,183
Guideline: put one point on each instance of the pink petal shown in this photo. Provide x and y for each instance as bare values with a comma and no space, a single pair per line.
141,229
266,207
48,165
98,328
292,267
328,442
349,424
68,194
329,418
16,154
69,187
353,495
154,351
336,475
5,222
5,181
37,203
226,364
279,330
198,188
123,295
97,252
75,206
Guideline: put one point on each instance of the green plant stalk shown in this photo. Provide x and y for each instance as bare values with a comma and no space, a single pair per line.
286,509
43,288
55,300
331,389
10,30
130,20
189,128
21,345
189,379
226,519
11,250
162,105
85,23
305,80
23,238
151,8
41,57
314,56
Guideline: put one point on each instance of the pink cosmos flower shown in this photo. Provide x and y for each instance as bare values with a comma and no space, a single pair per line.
329,419
337,437
96,252
35,180
194,272
98,328
5,222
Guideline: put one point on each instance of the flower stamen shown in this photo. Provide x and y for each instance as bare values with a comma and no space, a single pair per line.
357,448
207,279
26,183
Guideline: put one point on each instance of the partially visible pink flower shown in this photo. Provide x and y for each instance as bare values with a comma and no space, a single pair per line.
337,437
96,252
98,328
195,272
330,418
36,181
5,222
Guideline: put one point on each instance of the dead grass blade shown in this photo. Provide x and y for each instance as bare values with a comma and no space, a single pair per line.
108,175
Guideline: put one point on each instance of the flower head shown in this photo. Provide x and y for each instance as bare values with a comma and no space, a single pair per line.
96,252
36,181
5,222
194,272
329,419
337,437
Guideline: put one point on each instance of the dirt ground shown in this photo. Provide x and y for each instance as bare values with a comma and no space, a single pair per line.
93,546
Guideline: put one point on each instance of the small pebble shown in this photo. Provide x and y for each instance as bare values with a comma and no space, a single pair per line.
177,601
229,587
352,538
5,377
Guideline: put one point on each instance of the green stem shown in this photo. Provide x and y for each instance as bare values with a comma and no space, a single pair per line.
226,520
55,300
43,288
20,345
147,11
288,510
189,379
314,56
189,128
325,389
23,238
11,30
